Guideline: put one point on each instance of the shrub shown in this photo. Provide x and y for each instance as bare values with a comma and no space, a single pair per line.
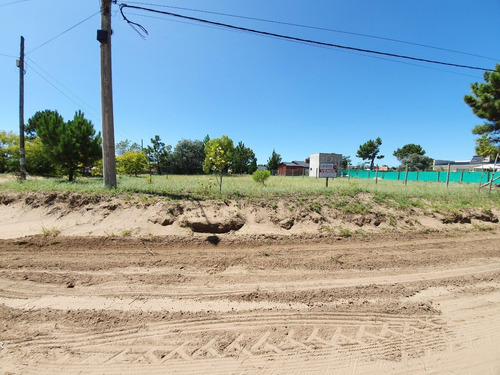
261,176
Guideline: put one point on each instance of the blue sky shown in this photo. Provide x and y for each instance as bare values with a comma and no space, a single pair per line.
187,80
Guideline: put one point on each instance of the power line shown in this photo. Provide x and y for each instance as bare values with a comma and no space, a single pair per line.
312,45
286,37
32,65
89,107
5,55
64,32
13,2
316,28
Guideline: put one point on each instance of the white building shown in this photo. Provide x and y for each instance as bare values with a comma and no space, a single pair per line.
325,165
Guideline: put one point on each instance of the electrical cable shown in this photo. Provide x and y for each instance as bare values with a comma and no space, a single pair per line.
316,28
317,46
64,32
287,37
89,107
58,89
5,55
13,2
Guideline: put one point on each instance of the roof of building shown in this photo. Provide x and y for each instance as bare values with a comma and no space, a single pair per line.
295,163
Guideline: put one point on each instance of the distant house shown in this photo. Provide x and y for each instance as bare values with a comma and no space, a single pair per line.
477,163
294,168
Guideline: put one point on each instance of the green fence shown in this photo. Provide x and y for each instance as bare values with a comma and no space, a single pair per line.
436,176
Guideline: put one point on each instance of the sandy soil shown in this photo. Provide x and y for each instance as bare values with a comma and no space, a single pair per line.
112,287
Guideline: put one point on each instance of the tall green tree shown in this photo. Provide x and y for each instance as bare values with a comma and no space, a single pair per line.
243,157
218,156
273,162
370,151
485,104
408,149
42,118
188,157
158,153
70,145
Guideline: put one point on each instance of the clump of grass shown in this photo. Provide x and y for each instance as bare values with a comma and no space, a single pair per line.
356,208
345,232
314,207
126,233
51,232
482,228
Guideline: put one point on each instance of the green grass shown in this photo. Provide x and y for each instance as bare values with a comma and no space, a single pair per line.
356,195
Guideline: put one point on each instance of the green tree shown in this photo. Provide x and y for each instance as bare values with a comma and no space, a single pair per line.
416,162
243,157
125,146
132,162
408,149
261,176
188,157
485,104
42,117
218,155
273,162
370,151
158,154
9,152
69,145
37,161
253,166
485,147
346,161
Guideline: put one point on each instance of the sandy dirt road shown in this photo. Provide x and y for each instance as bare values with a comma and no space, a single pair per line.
387,304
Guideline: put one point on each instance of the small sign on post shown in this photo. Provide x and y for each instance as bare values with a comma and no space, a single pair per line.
328,170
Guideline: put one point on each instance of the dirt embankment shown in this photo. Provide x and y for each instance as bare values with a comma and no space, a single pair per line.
103,285
75,214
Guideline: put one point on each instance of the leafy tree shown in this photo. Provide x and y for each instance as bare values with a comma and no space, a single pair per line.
243,157
188,157
485,104
370,151
37,161
69,145
273,162
417,162
261,176
132,162
9,152
346,161
253,166
218,155
125,146
41,117
405,151
485,147
158,153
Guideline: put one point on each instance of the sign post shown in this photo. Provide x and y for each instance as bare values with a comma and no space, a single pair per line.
327,170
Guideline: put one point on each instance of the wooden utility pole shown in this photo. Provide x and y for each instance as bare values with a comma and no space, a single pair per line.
108,133
22,151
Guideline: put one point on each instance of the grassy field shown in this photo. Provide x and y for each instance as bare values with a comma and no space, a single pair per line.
420,194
